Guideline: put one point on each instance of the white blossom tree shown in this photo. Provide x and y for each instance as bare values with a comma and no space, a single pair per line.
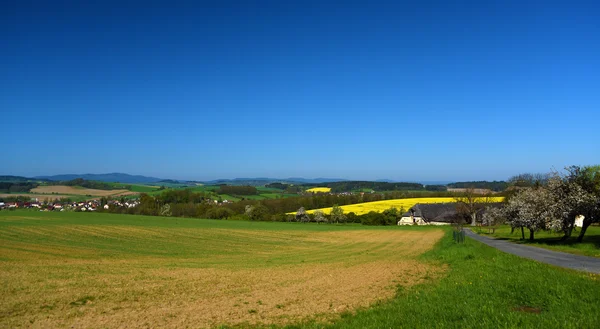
302,216
320,217
530,208
569,200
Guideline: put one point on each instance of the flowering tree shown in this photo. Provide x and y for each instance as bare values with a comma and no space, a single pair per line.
556,204
529,208
588,178
302,216
320,217
569,200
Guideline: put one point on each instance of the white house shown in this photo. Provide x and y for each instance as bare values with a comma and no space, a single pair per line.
579,221
430,214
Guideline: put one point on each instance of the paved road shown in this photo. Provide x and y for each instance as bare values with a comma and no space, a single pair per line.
576,262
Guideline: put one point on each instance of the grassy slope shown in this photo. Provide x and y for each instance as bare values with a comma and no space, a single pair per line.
486,288
590,246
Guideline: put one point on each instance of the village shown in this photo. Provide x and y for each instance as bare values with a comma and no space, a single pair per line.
91,205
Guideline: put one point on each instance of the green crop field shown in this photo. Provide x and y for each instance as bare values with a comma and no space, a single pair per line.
106,270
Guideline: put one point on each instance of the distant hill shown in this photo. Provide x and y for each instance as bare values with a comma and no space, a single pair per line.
259,181
496,186
112,177
19,179
345,186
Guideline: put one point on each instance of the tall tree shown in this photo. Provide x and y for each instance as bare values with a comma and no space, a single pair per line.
588,177
337,214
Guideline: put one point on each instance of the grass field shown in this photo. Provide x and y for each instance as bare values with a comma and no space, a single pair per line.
103,270
590,246
379,206
264,193
319,190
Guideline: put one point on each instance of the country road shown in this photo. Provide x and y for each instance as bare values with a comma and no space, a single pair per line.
561,259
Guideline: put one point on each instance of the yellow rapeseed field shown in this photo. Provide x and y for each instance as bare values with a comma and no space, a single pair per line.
319,190
379,206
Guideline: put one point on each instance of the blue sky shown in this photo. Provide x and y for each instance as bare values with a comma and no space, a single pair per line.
419,90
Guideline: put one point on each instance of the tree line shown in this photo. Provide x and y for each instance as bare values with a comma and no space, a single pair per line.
92,184
346,186
237,190
496,186
186,203
18,187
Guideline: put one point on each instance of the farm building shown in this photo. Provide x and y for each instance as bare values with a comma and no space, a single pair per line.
430,214
438,214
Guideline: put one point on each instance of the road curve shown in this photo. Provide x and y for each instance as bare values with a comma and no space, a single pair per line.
557,258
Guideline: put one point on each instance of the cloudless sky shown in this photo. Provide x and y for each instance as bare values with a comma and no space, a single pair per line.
406,90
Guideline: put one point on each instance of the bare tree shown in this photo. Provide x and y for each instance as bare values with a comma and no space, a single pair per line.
470,204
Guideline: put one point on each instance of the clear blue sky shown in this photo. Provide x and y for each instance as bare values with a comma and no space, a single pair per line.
419,90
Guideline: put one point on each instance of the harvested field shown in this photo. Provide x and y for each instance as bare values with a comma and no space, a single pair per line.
73,190
40,197
100,270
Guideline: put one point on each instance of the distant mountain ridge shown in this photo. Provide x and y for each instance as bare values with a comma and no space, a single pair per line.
111,177
139,179
253,181
19,179
265,180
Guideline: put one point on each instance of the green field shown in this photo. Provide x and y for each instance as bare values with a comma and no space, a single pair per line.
264,193
106,270
590,246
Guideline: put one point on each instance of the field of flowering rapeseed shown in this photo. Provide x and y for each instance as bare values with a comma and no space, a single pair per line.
319,190
379,206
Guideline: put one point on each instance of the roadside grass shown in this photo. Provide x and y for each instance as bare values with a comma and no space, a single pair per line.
484,288
590,246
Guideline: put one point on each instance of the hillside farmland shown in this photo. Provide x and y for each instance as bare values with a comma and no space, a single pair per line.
75,190
319,190
379,206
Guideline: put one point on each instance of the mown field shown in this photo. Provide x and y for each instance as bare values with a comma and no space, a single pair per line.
102,270
590,246
96,270
379,206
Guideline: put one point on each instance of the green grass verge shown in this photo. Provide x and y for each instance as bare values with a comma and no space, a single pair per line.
590,246
485,288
